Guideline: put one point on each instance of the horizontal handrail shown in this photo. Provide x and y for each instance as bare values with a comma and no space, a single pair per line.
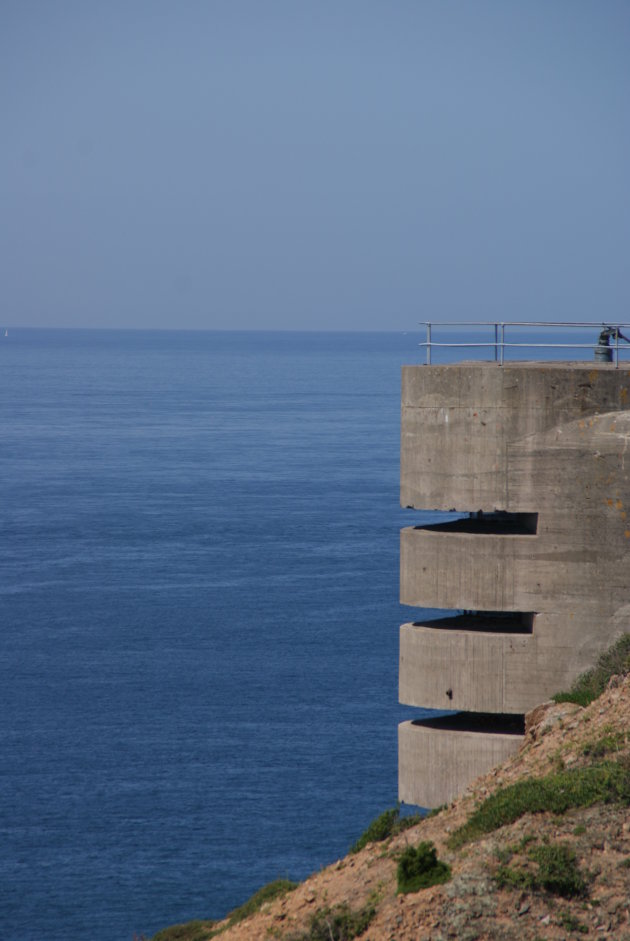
601,345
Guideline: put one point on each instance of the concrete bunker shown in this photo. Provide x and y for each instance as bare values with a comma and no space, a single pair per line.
532,584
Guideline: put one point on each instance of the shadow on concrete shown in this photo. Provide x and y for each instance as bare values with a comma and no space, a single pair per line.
489,524
483,722
491,622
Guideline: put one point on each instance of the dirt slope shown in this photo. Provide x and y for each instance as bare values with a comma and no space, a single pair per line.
471,907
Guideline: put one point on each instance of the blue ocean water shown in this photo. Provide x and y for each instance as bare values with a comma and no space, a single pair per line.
199,617
198,605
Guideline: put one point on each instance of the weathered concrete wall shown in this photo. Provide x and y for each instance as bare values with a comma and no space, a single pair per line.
445,761
546,439
458,423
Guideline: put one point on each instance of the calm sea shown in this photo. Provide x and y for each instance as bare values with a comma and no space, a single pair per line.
198,605
199,582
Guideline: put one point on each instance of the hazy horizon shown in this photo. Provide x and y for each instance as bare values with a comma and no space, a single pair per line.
361,165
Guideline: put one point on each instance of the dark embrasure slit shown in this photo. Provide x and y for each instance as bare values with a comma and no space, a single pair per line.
498,523
493,622
482,722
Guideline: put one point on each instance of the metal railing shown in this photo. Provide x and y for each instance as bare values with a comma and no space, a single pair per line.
600,345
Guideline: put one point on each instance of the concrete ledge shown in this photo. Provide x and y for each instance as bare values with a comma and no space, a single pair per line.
459,669
502,671
437,763
450,569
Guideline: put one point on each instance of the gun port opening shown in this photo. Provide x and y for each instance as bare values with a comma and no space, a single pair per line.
497,523
482,722
491,622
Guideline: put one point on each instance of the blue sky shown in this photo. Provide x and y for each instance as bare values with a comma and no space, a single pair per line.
292,164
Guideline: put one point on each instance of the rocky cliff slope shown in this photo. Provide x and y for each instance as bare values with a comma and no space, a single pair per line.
545,853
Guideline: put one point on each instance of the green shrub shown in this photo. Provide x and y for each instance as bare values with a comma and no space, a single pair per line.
190,931
556,872
388,824
590,685
337,924
267,893
508,877
205,930
607,782
419,868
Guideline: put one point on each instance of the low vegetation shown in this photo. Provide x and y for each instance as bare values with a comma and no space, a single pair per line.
190,931
337,924
550,867
606,782
590,685
205,930
600,774
611,741
570,922
603,781
388,824
419,868
267,893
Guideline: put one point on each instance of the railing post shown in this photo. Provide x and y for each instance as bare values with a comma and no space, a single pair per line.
496,340
502,341
428,344
616,353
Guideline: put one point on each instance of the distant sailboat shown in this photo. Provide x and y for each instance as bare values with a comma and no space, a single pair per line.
6,333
